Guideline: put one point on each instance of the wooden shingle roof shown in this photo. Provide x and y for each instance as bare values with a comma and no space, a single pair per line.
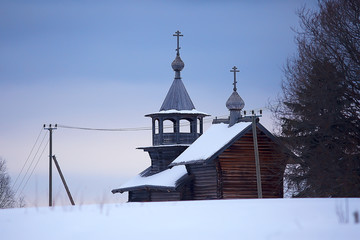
177,97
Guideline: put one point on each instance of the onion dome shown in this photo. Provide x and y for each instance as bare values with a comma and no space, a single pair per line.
177,65
177,97
235,102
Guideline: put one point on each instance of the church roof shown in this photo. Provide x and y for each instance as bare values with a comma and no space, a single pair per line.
168,179
215,140
212,142
177,97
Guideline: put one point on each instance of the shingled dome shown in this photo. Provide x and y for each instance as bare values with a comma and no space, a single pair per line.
235,102
177,64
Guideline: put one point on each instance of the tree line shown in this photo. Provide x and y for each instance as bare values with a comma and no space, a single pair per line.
319,108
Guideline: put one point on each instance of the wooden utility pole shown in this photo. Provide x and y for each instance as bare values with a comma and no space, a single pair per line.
257,161
50,128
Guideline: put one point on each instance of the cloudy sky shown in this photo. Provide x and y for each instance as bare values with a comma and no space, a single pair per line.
105,64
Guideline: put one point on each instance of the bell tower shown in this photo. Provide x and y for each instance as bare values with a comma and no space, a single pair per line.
177,124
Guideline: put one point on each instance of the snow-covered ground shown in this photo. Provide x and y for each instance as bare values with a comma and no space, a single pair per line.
213,219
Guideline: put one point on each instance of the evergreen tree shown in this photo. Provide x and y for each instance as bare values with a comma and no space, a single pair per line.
319,109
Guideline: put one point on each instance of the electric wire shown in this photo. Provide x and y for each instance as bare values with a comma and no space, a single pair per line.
27,159
106,129
206,120
29,167
37,162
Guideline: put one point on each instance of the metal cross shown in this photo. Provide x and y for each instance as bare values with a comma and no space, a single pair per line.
178,35
234,70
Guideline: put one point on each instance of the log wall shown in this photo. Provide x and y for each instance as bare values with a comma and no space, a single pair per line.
153,196
238,170
161,157
139,196
157,196
204,184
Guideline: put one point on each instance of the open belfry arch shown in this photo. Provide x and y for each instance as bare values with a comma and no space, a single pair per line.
235,158
178,110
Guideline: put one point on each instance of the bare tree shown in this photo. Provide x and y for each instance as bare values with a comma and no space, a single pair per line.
7,198
319,110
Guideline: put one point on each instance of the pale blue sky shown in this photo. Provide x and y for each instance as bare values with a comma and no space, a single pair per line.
107,63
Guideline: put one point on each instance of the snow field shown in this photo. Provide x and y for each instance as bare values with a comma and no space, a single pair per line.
212,219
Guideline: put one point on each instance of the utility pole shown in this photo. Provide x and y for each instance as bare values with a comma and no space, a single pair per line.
256,152
50,128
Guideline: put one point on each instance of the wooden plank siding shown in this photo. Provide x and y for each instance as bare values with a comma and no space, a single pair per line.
238,171
139,196
204,184
157,196
187,191
153,196
161,157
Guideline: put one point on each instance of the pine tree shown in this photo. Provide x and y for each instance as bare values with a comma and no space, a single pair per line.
319,109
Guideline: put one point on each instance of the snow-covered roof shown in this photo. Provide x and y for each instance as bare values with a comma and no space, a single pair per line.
174,111
208,144
165,179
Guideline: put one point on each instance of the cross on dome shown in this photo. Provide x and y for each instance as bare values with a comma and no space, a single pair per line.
177,65
234,70
235,103
178,35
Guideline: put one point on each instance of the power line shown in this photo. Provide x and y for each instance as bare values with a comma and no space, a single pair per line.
32,161
206,120
37,162
124,129
27,159
106,129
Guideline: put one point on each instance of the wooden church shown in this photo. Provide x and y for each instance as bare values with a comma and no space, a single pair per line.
235,158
